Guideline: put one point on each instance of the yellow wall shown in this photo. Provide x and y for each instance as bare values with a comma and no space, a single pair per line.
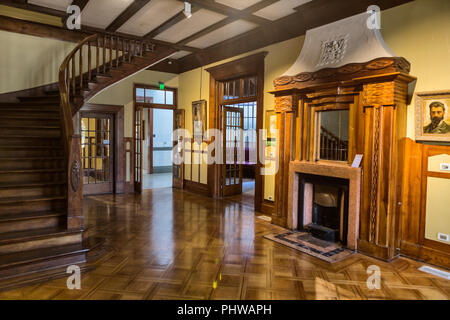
122,93
28,61
420,32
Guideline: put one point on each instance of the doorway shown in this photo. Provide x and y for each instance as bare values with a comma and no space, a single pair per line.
157,148
239,84
155,119
239,178
102,148
97,154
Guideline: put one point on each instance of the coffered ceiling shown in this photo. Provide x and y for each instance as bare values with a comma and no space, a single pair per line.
213,23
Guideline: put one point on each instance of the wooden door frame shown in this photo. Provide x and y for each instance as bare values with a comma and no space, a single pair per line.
150,106
119,160
247,66
150,140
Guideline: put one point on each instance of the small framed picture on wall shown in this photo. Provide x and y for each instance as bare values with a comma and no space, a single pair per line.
432,114
199,118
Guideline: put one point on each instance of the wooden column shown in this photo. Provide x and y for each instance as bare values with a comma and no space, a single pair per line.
384,126
286,108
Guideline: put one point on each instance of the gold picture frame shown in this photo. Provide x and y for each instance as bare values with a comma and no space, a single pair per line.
432,115
199,117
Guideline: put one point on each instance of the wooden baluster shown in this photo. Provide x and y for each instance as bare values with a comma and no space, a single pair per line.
124,49
98,57
81,69
117,52
89,62
104,54
68,80
141,48
111,52
73,75
129,51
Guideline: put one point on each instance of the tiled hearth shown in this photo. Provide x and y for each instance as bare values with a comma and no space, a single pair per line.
325,169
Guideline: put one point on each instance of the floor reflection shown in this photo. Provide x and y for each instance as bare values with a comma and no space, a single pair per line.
169,244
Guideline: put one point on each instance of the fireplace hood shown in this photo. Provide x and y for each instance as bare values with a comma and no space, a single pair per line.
340,43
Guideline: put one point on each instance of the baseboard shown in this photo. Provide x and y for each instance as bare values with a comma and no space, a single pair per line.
268,207
373,250
196,187
425,254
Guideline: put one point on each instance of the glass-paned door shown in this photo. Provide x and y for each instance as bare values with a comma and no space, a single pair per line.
97,155
233,150
178,168
138,156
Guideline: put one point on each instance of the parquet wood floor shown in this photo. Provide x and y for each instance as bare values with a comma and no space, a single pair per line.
168,244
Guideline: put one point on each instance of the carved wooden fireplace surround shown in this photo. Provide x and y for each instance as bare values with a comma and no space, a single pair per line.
376,94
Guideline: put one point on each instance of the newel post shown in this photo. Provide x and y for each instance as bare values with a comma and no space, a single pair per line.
75,185
286,109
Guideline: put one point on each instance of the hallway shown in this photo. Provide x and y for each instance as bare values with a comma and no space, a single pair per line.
168,244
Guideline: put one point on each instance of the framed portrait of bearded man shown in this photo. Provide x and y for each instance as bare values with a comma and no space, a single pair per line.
433,116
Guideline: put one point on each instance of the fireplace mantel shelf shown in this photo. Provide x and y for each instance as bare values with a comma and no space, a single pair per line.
322,168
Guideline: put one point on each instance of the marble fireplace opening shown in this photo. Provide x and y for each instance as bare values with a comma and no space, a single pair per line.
323,207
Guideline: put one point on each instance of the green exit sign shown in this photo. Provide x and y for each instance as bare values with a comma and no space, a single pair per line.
161,86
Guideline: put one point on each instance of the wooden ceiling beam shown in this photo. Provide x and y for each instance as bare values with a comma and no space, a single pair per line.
43,30
250,10
33,7
80,3
169,23
228,11
127,14
175,46
311,15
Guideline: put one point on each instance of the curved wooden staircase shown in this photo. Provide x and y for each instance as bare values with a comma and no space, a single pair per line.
41,218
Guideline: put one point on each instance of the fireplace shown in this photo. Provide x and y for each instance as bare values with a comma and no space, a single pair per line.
323,207
325,200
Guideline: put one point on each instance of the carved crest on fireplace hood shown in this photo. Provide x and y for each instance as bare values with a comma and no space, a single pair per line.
342,50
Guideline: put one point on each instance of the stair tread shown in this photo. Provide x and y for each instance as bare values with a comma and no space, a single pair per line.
27,136
27,104
29,110
31,158
28,117
32,170
30,199
18,236
30,184
30,215
24,257
29,127
30,147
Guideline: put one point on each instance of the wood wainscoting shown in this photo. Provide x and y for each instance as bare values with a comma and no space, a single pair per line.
413,209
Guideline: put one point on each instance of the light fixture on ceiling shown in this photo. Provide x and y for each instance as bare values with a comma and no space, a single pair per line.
187,9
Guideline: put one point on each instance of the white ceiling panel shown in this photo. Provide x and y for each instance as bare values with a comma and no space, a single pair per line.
229,31
280,9
151,16
100,13
187,27
180,54
238,4
54,4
